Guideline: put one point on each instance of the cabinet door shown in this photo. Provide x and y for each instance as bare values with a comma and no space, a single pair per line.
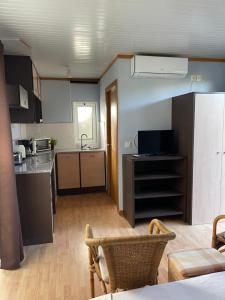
92,169
21,115
68,169
37,110
208,133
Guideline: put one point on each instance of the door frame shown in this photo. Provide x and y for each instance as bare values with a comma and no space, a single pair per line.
112,85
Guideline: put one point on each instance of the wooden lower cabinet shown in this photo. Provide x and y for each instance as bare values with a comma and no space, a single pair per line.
68,167
92,166
80,170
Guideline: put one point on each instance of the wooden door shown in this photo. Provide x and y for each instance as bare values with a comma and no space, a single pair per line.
208,132
92,166
112,141
68,170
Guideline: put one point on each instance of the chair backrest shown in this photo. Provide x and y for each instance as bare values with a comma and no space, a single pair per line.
132,261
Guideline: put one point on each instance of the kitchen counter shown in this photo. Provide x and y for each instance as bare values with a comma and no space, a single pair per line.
42,163
78,150
36,192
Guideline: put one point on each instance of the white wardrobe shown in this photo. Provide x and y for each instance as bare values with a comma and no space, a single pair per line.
199,119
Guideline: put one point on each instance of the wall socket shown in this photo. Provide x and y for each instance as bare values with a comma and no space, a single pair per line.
196,77
128,144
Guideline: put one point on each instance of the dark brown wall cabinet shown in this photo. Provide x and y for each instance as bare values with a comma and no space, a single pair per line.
154,187
31,115
17,96
19,71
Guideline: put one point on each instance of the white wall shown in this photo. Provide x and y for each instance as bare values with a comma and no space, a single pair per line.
145,103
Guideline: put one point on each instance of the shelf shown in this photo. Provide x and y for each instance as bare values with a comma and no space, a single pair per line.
157,212
156,176
137,158
154,186
158,194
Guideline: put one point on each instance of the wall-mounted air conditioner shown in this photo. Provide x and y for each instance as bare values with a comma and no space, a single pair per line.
157,66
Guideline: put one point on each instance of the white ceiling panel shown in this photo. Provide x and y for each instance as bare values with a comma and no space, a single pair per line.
81,37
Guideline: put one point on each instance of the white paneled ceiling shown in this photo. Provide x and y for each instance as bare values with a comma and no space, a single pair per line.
79,38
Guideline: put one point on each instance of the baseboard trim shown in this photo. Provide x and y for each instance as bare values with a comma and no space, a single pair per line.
96,189
121,213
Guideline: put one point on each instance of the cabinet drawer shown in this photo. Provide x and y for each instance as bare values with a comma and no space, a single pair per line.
68,170
92,169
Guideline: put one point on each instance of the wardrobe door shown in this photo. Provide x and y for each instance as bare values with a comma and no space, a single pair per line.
208,144
222,197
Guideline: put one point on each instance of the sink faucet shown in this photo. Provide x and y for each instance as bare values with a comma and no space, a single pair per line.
81,141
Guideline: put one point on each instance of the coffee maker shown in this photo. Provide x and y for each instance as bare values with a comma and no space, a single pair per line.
27,143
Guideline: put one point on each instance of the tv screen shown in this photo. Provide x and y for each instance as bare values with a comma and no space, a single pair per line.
157,142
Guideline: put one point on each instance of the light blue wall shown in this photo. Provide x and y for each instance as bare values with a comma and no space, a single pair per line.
58,96
56,102
145,103
85,92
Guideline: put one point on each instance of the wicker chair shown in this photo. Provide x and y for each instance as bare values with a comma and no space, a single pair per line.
123,263
218,239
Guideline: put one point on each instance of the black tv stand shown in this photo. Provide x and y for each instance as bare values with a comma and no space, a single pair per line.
154,186
158,154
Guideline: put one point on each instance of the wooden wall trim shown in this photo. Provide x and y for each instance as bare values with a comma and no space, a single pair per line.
118,56
72,79
206,59
131,55
125,56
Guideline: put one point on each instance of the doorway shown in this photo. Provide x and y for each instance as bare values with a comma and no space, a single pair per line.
112,140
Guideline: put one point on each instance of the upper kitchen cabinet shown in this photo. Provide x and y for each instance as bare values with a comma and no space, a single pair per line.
56,102
31,115
17,96
20,72
37,110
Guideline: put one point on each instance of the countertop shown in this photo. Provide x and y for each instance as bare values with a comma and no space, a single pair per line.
42,163
77,150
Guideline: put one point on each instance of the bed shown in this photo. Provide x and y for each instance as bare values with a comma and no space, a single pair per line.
206,287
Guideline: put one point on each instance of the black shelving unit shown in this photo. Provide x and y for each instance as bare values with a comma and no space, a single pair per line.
154,187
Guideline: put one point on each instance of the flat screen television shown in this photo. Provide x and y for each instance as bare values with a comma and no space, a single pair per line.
157,142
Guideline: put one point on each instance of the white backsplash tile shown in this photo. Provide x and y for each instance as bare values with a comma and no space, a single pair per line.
19,131
62,132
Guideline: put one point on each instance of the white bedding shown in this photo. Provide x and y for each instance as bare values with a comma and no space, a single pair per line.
206,287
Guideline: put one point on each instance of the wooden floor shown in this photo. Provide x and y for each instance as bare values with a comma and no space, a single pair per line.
59,271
